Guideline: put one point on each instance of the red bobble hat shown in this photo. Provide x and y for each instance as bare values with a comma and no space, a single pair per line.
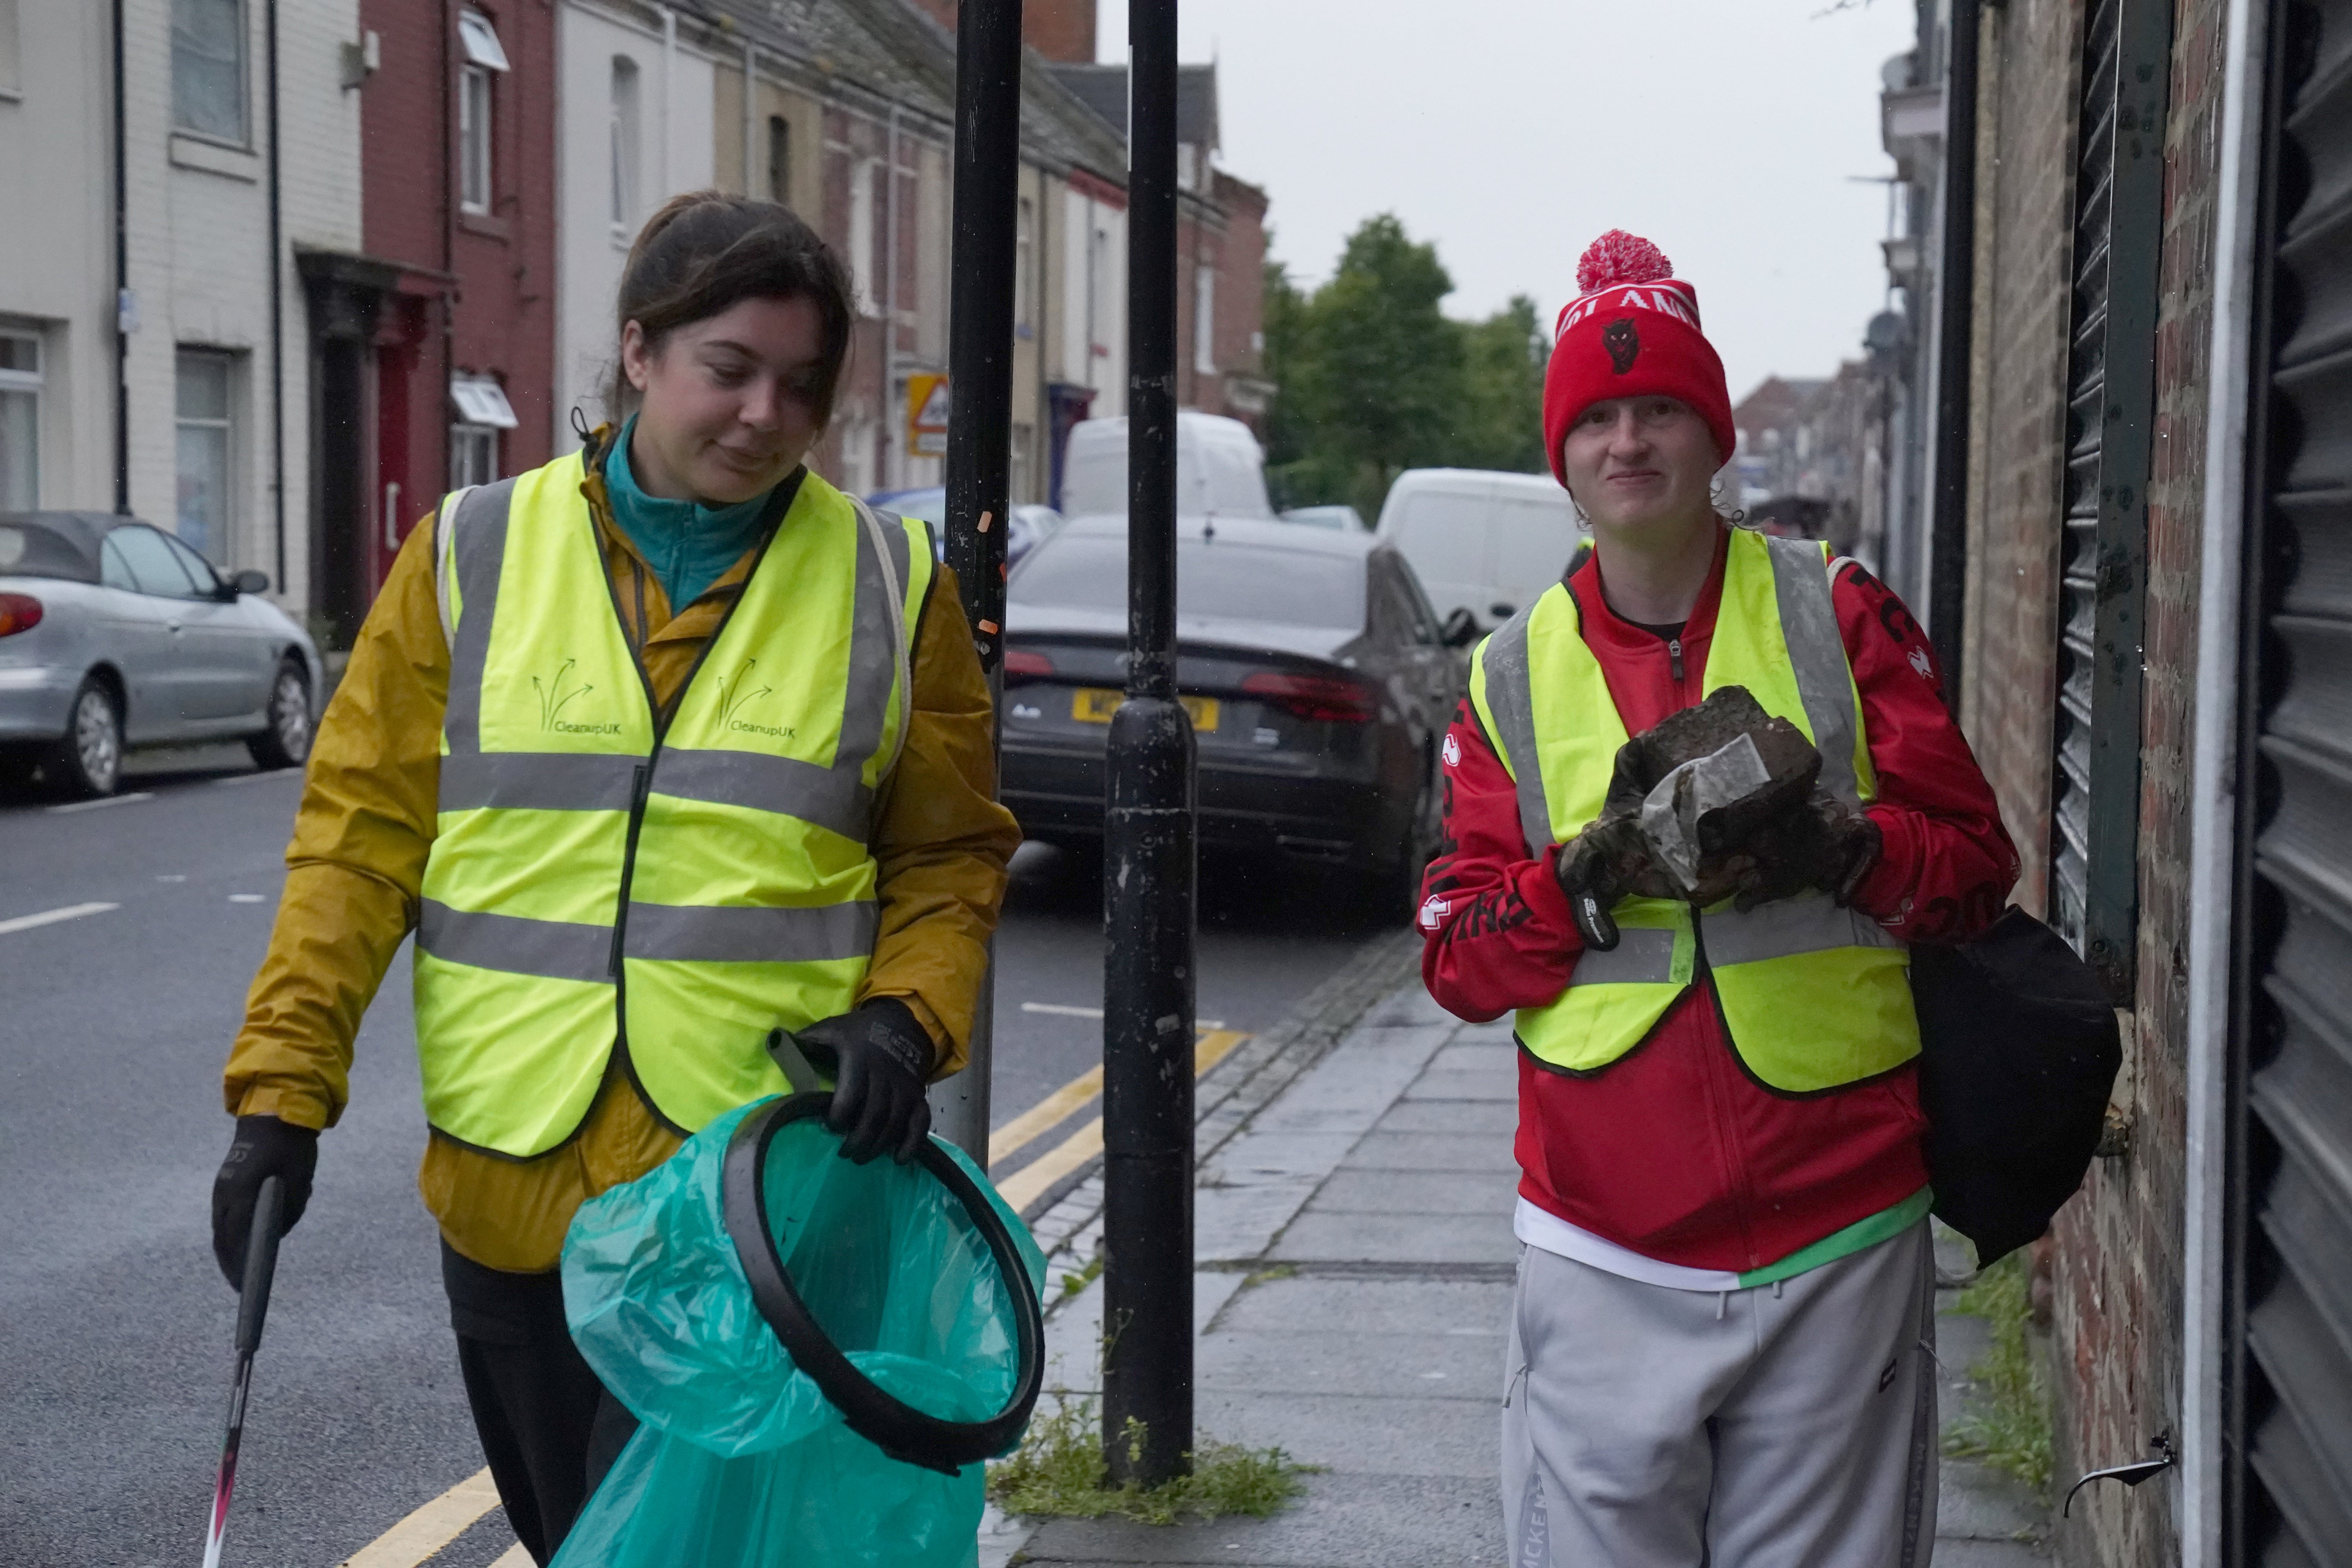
1630,331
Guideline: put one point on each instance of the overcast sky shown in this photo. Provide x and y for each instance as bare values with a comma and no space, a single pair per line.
1513,131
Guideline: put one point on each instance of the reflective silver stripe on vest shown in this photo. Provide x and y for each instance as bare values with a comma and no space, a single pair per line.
1810,922
554,949
481,548
1509,701
536,781
1801,584
835,798
709,935
873,662
1643,955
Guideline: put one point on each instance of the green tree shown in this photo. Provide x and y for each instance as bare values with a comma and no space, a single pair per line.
1374,379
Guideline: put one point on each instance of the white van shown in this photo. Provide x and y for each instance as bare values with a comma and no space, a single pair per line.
1481,540
1220,469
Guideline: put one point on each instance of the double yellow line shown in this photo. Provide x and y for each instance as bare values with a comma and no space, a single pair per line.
1023,1187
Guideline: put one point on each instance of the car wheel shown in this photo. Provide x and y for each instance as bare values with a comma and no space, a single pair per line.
88,760
287,743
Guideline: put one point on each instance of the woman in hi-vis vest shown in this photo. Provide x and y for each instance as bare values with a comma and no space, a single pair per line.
654,748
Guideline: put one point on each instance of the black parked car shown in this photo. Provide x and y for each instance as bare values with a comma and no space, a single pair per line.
1319,681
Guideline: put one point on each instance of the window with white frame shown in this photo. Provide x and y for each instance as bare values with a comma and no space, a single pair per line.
204,427
620,115
483,413
484,59
208,69
20,419
1205,321
861,233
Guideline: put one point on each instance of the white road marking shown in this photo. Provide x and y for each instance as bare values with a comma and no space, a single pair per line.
245,898
51,917
102,801
1059,1010
171,878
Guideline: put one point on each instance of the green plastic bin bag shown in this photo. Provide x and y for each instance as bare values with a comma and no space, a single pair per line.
740,1458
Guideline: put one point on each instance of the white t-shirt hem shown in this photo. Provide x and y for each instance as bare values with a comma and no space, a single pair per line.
1538,1226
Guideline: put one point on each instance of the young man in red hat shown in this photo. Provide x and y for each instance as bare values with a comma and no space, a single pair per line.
1721,1337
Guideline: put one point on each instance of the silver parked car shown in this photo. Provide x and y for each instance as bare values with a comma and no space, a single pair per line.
114,635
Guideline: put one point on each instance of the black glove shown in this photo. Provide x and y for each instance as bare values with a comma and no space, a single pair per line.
264,1147
878,1058
1824,844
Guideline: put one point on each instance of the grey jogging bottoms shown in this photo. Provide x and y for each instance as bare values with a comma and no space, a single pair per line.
1787,1426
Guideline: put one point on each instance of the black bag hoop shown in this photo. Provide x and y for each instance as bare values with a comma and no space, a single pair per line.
891,1425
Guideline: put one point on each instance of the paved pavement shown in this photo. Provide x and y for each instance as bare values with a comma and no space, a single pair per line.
1354,1278
114,1025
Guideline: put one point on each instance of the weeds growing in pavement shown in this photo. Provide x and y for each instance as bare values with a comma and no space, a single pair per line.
1077,1280
2008,1424
1059,1469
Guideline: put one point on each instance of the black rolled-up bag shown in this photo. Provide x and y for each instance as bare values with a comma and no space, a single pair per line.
2018,1051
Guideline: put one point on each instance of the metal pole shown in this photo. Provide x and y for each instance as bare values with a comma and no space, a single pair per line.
980,421
1149,837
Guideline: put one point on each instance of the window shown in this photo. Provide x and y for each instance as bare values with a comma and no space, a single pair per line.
485,58
1024,437
861,233
205,432
140,559
1205,321
1290,587
208,67
623,116
780,161
482,413
20,421
1024,245
199,570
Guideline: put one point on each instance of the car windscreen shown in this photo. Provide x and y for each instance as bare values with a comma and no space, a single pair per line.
1238,582
29,550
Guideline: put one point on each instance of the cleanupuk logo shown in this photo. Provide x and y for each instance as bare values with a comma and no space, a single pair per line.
734,694
553,699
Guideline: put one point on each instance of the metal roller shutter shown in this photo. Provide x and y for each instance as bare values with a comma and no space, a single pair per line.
2110,415
2294,1238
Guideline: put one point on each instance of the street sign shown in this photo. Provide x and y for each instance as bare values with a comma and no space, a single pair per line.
927,416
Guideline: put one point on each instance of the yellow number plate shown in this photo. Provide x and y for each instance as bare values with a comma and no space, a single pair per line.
1096,704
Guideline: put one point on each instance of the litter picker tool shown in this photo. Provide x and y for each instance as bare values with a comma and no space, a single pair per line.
252,1307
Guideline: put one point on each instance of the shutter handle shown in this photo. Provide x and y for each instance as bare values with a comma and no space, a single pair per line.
2131,1474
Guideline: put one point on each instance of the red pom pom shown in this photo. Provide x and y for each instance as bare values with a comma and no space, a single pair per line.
1620,258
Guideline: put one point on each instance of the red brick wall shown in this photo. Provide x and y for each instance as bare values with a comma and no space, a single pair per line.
2115,1257
2010,689
499,315
2119,1259
1241,284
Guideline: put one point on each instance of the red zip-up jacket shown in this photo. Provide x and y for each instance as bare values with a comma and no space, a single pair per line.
1674,1151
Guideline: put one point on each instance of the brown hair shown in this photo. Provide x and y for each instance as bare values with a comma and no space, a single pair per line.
703,253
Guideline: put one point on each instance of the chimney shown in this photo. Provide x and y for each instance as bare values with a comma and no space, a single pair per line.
1061,30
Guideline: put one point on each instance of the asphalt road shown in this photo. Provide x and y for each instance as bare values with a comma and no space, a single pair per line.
113,1024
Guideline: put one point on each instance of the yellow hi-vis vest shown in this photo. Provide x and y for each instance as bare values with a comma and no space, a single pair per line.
1814,997
605,884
